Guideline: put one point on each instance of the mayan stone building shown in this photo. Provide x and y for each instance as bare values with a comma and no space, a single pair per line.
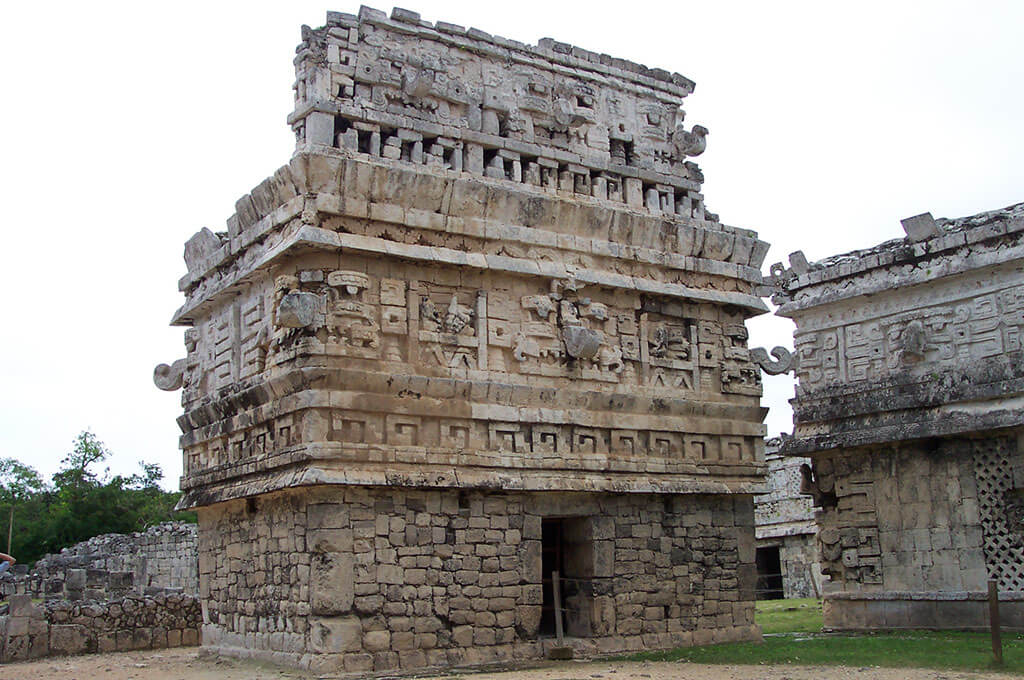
478,330
910,405
787,542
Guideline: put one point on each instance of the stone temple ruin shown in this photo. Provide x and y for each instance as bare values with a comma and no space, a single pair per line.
480,329
787,545
161,558
910,405
115,592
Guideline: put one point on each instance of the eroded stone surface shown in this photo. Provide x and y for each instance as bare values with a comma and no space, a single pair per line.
448,577
784,520
111,566
62,627
910,404
488,274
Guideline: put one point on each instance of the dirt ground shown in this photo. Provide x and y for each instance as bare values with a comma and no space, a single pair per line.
186,664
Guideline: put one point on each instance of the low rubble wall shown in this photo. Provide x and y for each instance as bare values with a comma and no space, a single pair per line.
112,566
32,630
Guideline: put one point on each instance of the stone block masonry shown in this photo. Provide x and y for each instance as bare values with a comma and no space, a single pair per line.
369,579
786,532
910,406
480,329
801,570
114,592
60,628
115,565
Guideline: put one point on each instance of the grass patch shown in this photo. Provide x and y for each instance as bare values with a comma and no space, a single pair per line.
789,616
907,649
792,636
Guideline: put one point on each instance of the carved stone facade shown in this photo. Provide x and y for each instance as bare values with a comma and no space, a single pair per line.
481,323
909,403
786,531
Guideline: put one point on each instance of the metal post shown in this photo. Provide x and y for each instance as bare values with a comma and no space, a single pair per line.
556,592
993,622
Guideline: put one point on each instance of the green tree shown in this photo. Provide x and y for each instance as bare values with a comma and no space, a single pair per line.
18,483
75,475
81,502
151,504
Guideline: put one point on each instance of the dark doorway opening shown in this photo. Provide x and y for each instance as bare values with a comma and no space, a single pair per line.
567,547
769,573
552,559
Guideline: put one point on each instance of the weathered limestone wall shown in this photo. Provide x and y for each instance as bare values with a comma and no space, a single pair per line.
801,570
914,524
485,285
58,628
910,406
784,517
362,579
114,592
902,518
114,565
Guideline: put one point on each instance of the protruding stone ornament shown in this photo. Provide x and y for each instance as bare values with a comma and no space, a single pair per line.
298,310
169,378
689,143
564,114
785,360
580,342
798,263
202,244
417,83
913,342
920,227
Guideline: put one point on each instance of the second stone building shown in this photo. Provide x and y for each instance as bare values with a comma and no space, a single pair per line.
910,406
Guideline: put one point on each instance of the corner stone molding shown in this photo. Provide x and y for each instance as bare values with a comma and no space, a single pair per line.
431,313
784,362
169,378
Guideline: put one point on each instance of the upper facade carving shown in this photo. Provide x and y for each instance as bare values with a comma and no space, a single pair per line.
916,337
945,248
486,264
547,115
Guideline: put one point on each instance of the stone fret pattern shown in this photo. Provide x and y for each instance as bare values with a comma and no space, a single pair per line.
909,405
447,98
481,319
963,326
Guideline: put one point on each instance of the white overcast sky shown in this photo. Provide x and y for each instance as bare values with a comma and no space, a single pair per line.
126,127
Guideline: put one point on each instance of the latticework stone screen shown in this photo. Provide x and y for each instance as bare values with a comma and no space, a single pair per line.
999,510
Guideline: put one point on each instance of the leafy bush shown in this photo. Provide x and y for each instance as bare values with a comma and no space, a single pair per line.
79,502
